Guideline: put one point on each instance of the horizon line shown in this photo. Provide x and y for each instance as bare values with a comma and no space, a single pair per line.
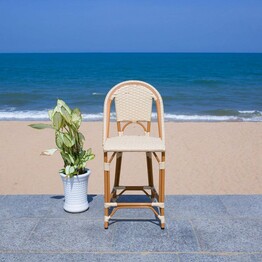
127,52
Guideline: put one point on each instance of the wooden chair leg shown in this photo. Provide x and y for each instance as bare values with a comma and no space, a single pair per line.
117,171
150,172
106,190
162,189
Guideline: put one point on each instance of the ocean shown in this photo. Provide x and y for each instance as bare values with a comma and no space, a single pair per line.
194,86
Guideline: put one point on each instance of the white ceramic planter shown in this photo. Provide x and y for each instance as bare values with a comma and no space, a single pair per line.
75,190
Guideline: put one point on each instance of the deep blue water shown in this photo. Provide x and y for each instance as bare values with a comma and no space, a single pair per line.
194,87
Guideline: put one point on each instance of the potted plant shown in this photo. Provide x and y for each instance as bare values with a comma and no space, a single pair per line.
69,141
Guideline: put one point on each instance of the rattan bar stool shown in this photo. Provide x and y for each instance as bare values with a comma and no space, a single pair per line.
133,104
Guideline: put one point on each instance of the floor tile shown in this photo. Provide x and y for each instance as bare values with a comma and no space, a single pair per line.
15,232
147,236
30,206
215,258
194,206
69,235
229,235
68,257
243,206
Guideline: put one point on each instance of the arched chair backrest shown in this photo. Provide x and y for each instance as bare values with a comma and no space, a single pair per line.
133,104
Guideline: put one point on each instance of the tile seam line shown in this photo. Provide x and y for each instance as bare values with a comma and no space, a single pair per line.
195,234
54,218
221,200
77,219
128,252
48,212
229,218
19,218
33,230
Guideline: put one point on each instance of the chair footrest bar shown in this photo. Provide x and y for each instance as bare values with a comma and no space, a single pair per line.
153,204
134,188
161,218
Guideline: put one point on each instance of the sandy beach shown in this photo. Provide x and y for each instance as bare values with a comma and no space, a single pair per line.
202,158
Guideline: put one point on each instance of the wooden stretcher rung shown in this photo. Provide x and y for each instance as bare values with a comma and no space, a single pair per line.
135,204
134,188
135,207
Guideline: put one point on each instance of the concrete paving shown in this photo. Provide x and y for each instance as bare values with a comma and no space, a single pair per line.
198,228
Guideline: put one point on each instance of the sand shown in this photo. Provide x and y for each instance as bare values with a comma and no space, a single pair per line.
201,158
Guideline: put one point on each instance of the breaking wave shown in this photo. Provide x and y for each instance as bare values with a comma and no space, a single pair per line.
208,116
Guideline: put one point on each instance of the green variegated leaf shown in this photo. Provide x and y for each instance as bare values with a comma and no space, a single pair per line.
41,126
76,112
81,136
91,157
56,109
61,103
65,157
50,114
67,170
59,140
57,120
68,141
71,159
76,117
73,140
66,115
72,170
49,152
89,151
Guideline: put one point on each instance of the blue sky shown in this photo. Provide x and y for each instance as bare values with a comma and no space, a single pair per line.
131,26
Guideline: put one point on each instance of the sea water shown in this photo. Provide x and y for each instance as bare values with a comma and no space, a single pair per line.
194,86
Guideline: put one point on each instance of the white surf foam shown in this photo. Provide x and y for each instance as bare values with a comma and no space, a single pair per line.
24,115
43,115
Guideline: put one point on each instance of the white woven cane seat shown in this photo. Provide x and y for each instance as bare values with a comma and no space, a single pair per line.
134,144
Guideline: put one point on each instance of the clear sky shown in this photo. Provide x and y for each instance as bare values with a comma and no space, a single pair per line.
130,26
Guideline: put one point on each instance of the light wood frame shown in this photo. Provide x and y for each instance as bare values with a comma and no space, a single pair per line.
110,196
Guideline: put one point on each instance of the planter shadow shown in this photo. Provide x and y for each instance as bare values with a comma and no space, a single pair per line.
89,197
